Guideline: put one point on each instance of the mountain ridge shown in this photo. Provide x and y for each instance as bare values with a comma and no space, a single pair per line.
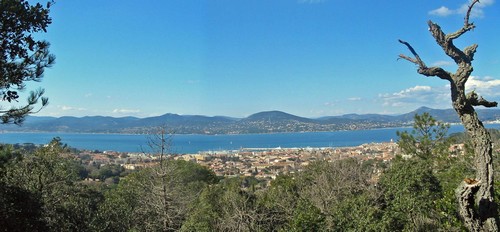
263,122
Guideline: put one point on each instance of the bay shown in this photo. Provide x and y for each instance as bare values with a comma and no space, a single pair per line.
183,144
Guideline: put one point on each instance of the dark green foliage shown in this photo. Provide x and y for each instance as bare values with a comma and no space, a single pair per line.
427,148
52,183
22,58
117,212
189,172
8,154
205,211
307,217
227,207
20,210
360,212
410,191
280,200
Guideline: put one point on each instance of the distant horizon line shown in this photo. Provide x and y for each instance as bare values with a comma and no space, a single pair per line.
264,111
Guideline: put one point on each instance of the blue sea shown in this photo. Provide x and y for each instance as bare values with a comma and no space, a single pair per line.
183,144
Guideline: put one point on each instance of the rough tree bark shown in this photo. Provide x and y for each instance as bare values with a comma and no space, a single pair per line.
475,196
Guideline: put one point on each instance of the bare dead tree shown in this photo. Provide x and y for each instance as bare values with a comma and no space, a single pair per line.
327,184
475,196
164,199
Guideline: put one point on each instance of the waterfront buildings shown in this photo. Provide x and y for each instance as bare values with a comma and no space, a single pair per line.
255,162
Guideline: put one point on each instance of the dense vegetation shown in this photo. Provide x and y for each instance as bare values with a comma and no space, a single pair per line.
43,189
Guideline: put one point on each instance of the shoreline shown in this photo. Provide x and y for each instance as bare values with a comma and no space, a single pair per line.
195,143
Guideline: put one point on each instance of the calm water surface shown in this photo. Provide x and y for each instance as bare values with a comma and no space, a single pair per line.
196,143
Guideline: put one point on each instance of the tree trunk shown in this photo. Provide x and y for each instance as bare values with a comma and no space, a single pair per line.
475,196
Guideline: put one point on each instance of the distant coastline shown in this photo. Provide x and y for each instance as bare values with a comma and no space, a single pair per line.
189,144
268,122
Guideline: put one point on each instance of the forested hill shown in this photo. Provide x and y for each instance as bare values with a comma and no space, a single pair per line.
263,122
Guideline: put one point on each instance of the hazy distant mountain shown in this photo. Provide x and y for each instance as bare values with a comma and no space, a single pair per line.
446,115
358,117
263,122
276,116
450,116
175,119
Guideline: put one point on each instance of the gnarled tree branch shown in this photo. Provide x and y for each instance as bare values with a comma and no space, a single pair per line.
476,201
446,40
470,51
477,100
422,68
446,43
467,26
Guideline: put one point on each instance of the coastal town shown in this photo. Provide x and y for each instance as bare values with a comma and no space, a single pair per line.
261,163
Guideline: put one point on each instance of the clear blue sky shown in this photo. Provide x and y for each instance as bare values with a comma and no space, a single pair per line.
310,58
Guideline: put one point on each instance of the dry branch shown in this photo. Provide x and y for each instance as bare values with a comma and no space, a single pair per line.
477,100
476,201
417,59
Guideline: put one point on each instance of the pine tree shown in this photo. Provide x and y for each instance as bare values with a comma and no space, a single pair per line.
22,58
